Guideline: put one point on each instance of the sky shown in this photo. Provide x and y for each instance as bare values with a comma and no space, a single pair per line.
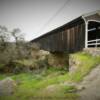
36,17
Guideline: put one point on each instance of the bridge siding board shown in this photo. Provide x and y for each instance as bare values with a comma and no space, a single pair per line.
70,38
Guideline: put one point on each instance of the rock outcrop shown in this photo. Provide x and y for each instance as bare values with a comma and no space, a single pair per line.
7,86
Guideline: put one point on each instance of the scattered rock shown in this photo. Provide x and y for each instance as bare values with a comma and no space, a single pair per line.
39,54
7,86
80,87
69,84
51,88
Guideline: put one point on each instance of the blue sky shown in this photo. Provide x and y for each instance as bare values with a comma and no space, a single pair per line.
31,15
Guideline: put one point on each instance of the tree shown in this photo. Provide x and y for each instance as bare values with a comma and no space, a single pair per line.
11,52
17,35
19,41
4,37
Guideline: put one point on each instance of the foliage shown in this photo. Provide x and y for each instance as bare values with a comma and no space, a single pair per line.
4,37
2,76
30,65
12,51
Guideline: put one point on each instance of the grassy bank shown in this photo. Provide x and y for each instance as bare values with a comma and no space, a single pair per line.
86,64
49,85
40,87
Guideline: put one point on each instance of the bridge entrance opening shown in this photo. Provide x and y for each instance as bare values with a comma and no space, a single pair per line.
93,34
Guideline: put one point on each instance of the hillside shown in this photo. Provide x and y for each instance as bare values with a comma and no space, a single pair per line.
54,83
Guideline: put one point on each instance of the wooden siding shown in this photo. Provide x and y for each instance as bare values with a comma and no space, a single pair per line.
69,38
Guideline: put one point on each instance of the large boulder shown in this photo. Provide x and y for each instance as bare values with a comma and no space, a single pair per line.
7,86
55,59
39,54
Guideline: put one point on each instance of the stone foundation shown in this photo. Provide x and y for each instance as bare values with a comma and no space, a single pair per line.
59,60
93,51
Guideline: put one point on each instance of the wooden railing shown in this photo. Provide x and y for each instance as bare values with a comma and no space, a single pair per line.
95,42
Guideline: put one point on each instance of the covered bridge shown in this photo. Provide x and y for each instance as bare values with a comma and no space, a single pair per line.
82,32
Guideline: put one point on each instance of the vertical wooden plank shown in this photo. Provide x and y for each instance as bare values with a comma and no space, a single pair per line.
68,39
73,37
76,37
62,32
60,41
65,40
80,37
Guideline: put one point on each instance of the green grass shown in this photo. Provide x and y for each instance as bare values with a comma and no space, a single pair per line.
1,65
87,63
35,86
32,86
2,76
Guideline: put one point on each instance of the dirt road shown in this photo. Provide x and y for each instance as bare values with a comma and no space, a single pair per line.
91,83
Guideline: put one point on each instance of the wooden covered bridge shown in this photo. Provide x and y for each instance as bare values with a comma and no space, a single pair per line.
82,32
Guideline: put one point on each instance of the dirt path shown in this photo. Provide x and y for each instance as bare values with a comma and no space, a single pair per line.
92,86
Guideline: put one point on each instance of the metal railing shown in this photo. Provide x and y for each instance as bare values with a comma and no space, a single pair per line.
95,42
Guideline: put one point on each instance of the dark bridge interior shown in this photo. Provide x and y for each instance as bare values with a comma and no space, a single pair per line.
93,32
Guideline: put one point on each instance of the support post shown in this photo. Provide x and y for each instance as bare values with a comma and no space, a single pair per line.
86,35
86,32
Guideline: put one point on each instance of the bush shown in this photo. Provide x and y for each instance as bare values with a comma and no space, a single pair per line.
30,65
